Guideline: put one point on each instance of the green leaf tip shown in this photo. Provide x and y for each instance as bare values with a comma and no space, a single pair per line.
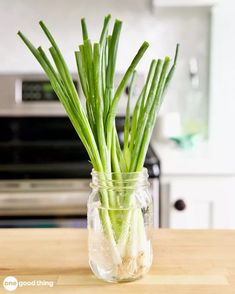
41,23
176,53
145,44
84,29
118,21
108,16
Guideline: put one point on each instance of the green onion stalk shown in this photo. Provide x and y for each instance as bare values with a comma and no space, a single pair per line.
95,125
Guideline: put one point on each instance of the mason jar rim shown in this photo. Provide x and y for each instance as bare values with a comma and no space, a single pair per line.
143,171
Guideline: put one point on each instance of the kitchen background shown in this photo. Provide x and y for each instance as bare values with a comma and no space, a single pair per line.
192,159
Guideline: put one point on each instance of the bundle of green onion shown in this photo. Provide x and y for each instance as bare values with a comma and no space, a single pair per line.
96,125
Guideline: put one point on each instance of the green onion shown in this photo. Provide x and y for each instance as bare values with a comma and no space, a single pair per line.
126,149
95,125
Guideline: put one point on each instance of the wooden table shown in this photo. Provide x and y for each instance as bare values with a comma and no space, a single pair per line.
185,262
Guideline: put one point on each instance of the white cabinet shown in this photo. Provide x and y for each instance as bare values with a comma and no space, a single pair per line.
198,202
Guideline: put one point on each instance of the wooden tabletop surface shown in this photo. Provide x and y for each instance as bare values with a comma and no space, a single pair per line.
185,262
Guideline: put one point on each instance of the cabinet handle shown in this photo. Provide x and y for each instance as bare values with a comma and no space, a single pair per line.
179,205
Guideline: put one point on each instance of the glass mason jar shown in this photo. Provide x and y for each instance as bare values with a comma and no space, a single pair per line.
119,226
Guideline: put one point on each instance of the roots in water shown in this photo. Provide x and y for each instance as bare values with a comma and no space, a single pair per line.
132,267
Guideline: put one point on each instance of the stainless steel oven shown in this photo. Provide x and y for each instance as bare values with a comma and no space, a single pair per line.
44,168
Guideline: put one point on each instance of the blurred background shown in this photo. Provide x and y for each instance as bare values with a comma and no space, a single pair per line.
44,170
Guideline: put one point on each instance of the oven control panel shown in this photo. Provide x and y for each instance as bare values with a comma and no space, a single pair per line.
39,91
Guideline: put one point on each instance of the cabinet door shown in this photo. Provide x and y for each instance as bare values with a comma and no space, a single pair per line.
201,202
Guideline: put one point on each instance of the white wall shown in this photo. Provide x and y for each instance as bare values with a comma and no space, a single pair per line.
222,104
